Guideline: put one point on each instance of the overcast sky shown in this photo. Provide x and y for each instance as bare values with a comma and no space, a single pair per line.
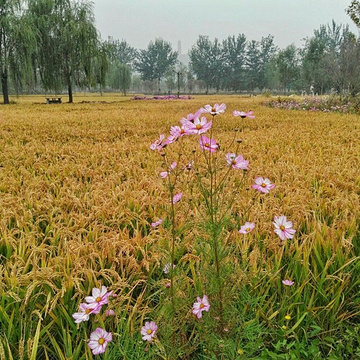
289,21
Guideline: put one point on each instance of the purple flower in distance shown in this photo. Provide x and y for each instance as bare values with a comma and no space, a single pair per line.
237,161
200,305
246,228
288,282
214,110
244,114
99,340
283,228
158,144
177,197
263,185
208,144
156,223
199,126
148,330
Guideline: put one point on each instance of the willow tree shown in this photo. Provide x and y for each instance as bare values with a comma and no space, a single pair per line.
16,44
67,43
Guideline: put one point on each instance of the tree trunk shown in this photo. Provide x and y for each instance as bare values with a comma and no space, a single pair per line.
70,93
4,86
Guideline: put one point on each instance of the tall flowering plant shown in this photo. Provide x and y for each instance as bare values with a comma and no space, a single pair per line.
218,175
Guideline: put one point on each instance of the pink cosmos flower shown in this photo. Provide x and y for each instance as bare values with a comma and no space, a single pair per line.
165,174
85,311
200,306
156,223
158,144
237,161
110,312
198,126
99,296
99,340
245,229
208,144
169,140
288,282
148,330
263,185
177,197
243,114
214,110
177,131
190,117
283,227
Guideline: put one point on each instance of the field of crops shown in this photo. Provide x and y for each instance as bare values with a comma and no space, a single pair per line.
79,188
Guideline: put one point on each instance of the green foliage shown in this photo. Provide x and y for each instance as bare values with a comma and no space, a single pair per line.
153,62
120,76
67,43
17,42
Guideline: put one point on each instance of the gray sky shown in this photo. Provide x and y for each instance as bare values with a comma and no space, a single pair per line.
140,21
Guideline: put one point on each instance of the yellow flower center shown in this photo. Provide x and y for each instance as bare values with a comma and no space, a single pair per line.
207,145
282,227
101,341
149,331
87,311
213,109
247,229
98,299
233,162
202,306
182,131
263,185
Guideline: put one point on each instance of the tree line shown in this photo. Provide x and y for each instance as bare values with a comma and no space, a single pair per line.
53,45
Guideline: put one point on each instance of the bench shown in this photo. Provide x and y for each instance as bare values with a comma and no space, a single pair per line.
53,100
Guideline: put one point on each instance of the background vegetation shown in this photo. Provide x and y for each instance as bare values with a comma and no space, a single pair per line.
54,46
79,188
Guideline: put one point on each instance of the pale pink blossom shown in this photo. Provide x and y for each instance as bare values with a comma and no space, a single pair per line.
99,296
158,144
246,228
214,110
288,282
244,114
99,340
177,197
263,185
283,228
85,311
190,117
165,174
237,161
169,140
200,306
198,126
148,331
177,131
208,144
156,223
109,312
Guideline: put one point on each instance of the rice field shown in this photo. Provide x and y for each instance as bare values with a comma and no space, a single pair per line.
79,188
